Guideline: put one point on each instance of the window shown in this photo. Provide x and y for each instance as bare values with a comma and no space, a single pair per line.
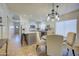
63,27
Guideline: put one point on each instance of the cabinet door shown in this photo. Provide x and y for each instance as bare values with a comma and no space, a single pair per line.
31,38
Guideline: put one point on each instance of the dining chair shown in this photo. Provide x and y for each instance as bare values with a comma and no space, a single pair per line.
54,45
41,44
70,40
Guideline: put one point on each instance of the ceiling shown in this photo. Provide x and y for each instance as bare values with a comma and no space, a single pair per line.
41,10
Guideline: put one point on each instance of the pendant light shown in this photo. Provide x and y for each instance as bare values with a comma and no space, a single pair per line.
54,15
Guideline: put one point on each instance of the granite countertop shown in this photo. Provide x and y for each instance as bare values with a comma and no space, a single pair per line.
29,32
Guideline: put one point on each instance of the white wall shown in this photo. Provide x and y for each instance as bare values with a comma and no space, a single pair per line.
77,41
4,13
